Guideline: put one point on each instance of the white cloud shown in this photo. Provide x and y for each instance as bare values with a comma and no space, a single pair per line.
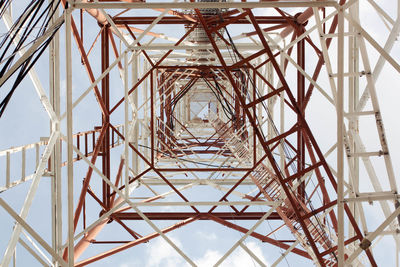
207,236
238,258
209,259
161,254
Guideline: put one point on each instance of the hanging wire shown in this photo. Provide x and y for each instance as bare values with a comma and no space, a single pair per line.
35,17
4,6
178,97
226,106
286,149
187,160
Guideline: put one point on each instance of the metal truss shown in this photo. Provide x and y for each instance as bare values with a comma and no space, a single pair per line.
206,112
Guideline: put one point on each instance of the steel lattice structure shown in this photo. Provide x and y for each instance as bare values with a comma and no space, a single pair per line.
249,115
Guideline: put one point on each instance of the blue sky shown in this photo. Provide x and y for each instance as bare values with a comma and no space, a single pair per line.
25,121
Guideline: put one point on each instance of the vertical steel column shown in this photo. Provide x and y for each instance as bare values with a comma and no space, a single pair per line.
281,112
145,95
290,197
126,122
105,93
353,103
161,90
70,166
56,202
135,136
152,118
255,116
301,105
340,148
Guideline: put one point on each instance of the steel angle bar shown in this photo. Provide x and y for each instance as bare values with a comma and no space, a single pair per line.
160,47
33,75
325,54
352,115
378,118
195,5
143,52
82,245
367,241
134,243
151,69
15,183
372,198
251,253
70,168
23,224
88,175
370,91
95,223
218,186
128,126
353,180
13,150
157,171
304,172
36,247
319,153
130,203
259,236
240,181
302,71
386,232
290,197
265,97
167,89
381,12
328,41
55,159
340,146
163,195
285,253
104,18
72,27
138,177
95,82
372,41
113,26
31,50
379,65
306,33
152,25
276,204
375,181
179,159
30,196
111,66
356,208
204,203
33,253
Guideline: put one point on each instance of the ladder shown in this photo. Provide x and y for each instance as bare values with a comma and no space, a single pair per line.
268,184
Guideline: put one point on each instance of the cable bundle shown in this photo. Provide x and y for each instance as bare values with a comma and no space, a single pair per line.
235,58
179,97
226,106
36,15
3,6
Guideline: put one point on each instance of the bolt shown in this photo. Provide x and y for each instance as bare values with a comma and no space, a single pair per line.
365,243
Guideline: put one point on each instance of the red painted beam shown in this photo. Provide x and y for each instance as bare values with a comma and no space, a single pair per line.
143,20
202,215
